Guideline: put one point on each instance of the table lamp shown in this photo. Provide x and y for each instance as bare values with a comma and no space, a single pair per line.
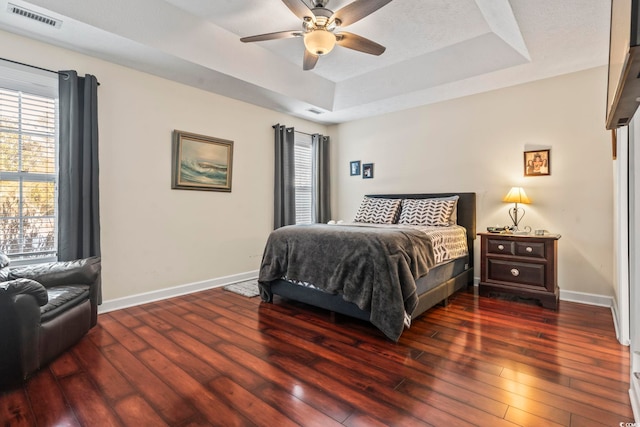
516,195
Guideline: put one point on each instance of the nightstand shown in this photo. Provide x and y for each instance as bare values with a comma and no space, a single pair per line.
522,265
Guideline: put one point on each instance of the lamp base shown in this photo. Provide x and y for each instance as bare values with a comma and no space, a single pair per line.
513,213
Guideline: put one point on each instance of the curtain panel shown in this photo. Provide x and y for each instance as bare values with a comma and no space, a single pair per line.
78,190
321,200
284,192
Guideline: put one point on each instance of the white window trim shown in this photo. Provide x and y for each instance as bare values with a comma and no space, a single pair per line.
35,82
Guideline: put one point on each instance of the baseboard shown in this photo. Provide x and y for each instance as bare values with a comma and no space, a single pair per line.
585,298
580,297
634,394
147,297
616,324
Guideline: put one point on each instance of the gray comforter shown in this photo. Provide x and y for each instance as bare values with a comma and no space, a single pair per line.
374,268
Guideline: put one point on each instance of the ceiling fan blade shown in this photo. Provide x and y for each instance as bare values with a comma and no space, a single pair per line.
299,9
359,43
271,36
357,10
309,61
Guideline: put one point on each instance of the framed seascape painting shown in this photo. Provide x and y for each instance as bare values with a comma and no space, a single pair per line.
201,162
537,163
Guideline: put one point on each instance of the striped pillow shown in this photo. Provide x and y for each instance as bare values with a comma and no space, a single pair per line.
375,210
437,211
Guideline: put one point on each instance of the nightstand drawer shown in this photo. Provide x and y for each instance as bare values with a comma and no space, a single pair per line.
530,249
516,272
498,246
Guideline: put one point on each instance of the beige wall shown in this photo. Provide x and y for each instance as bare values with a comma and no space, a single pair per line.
154,237
476,144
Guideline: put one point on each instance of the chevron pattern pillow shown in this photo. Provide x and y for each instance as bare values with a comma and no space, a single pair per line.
436,212
375,210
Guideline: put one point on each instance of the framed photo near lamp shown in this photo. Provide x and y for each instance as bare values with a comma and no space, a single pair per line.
537,163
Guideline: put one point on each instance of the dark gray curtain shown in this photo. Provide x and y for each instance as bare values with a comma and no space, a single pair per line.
78,196
284,212
321,194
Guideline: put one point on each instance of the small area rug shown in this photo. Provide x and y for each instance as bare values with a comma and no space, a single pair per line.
248,288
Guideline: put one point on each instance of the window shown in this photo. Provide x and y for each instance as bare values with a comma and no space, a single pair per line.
28,170
303,180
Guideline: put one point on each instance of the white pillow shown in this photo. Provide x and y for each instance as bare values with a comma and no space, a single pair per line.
436,211
374,210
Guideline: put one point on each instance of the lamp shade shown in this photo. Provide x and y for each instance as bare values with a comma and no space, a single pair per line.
516,195
320,41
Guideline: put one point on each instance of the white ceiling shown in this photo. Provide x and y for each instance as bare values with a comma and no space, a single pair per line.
436,49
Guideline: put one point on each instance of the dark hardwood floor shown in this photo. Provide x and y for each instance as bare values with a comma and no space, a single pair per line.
217,358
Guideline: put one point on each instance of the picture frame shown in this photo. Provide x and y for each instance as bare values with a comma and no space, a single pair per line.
354,167
367,171
537,163
200,162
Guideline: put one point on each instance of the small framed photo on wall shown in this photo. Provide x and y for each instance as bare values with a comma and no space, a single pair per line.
537,163
367,170
354,167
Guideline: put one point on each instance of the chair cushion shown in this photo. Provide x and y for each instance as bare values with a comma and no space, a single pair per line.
62,298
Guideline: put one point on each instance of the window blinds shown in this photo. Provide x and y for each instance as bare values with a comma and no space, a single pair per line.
303,179
28,128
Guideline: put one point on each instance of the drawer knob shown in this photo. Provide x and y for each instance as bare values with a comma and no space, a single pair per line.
501,247
515,272
529,249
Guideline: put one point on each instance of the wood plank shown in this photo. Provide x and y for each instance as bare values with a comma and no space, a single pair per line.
51,407
192,365
232,368
211,405
106,377
99,336
65,364
174,314
152,387
15,409
134,411
295,407
314,397
375,405
252,407
125,336
523,418
217,358
88,404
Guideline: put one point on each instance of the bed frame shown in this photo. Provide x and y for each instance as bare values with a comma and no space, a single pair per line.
438,294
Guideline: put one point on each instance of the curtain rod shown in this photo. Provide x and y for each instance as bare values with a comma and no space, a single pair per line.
33,66
297,131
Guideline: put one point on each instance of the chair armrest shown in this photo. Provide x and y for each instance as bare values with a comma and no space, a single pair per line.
79,272
19,333
24,287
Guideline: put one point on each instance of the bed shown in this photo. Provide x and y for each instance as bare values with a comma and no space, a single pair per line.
385,274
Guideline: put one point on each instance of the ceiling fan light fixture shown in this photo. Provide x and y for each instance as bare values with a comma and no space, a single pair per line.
320,41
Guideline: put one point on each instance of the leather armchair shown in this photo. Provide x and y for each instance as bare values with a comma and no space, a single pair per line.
44,309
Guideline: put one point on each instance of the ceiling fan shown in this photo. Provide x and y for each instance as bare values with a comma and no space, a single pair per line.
319,26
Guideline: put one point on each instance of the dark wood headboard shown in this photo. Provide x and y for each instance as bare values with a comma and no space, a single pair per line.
466,211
